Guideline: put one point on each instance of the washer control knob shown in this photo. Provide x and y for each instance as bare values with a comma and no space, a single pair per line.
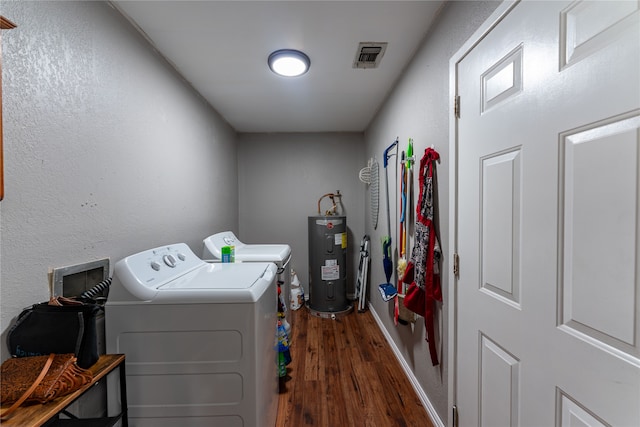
155,265
170,260
181,256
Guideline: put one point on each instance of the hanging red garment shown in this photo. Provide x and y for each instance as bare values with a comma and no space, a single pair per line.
422,273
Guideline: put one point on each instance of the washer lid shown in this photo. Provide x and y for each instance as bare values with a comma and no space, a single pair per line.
219,276
220,283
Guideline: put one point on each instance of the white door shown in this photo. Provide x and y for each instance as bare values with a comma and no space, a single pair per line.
548,145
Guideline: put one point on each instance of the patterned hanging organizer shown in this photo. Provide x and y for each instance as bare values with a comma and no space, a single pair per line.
423,272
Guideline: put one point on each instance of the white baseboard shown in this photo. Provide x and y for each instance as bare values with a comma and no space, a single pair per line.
431,411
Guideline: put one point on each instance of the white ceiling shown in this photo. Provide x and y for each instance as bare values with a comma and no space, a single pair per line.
221,48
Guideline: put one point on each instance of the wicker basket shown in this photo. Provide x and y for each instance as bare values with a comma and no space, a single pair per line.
403,312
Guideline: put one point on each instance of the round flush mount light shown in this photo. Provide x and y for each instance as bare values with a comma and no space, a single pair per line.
289,62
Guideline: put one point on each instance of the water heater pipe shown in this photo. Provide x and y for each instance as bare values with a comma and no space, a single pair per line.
332,196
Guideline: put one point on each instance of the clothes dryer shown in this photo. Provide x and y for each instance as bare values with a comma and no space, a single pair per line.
199,339
280,254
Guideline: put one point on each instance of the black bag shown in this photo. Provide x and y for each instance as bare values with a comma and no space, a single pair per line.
43,329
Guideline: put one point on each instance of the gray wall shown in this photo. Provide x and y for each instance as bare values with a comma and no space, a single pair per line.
418,108
282,176
107,151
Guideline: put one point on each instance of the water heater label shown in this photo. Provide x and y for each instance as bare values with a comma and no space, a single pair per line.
341,240
330,272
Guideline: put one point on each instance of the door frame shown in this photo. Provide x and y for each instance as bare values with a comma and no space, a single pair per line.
487,26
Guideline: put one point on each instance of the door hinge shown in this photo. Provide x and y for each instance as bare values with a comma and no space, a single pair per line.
454,416
456,106
456,265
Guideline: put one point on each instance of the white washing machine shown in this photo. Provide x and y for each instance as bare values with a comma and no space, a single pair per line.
199,339
280,254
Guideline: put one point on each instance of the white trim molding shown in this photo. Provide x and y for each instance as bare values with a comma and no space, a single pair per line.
431,411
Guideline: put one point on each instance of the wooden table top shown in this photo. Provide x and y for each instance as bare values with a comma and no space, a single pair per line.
36,414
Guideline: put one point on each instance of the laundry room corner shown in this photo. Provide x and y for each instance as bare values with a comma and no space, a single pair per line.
281,178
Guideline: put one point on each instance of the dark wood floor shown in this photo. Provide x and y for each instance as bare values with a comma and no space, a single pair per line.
343,373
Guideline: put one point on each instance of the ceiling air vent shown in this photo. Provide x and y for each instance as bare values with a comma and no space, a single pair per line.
369,55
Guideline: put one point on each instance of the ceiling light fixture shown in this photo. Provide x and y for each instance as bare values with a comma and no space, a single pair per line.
289,62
